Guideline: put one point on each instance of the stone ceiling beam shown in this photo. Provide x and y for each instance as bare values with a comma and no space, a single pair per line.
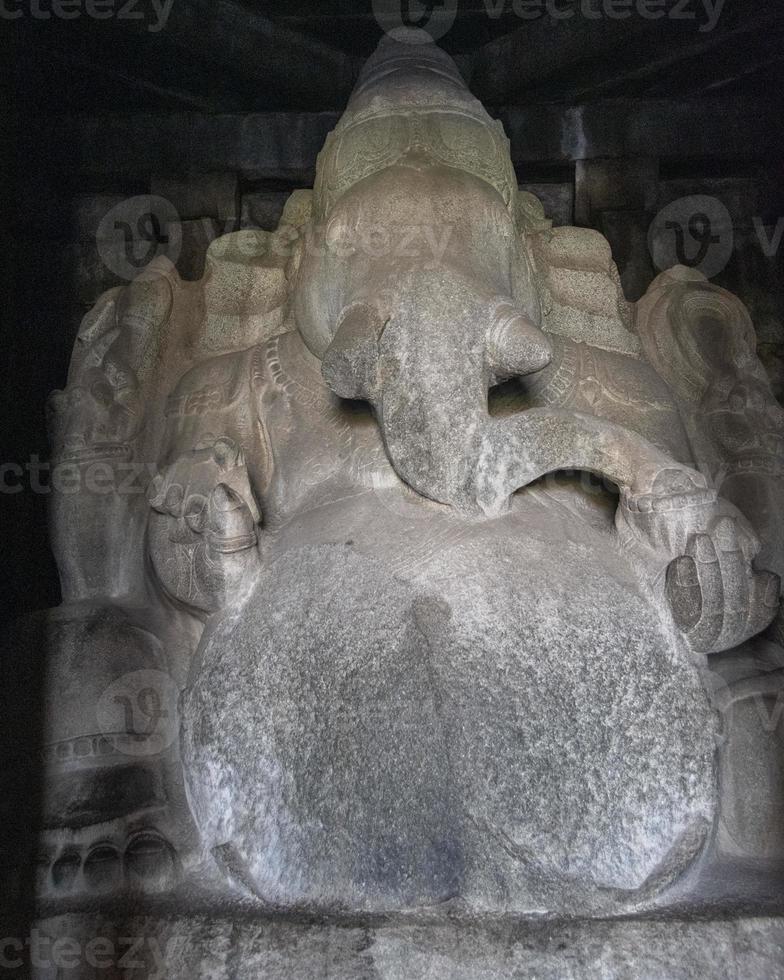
589,54
214,54
284,146
254,47
668,63
504,69
139,80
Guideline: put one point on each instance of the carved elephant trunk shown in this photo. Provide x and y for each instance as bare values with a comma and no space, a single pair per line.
426,362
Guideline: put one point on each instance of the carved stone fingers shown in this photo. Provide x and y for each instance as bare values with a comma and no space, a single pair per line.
718,599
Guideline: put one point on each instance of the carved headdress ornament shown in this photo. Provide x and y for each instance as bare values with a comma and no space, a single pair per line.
411,97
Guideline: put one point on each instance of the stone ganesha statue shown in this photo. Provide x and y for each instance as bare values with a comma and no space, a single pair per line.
359,634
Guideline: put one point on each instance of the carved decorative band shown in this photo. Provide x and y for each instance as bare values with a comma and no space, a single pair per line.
102,746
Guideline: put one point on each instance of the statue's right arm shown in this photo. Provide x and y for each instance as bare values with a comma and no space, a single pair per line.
202,526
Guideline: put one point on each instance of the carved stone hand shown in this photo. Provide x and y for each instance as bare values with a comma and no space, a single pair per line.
717,597
202,529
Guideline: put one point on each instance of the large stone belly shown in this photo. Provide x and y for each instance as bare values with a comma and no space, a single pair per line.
506,723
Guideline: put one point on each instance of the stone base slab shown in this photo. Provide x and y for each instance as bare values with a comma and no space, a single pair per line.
206,947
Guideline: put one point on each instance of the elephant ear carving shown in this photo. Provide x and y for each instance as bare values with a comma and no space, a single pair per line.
247,279
581,294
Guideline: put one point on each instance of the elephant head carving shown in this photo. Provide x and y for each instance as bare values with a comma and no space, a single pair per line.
421,293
